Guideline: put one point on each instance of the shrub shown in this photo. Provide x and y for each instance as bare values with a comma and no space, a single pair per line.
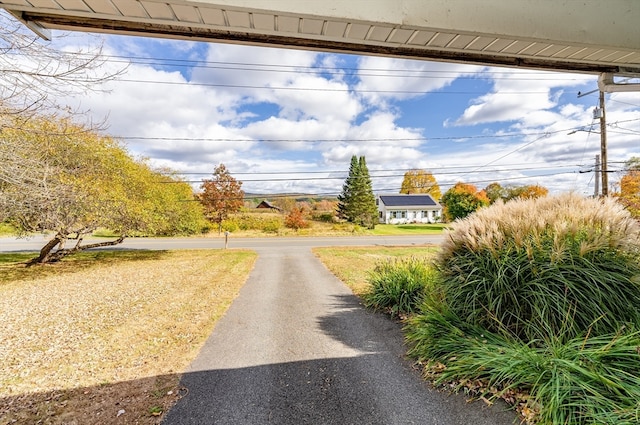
266,222
539,296
546,268
296,219
578,381
398,285
230,225
325,217
271,225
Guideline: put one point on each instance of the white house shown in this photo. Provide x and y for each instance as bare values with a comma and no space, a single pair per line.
413,208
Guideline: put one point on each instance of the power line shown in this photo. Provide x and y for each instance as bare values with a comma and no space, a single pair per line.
428,169
250,66
373,177
382,190
348,139
330,90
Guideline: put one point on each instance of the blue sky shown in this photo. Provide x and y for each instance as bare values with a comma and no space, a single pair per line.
289,121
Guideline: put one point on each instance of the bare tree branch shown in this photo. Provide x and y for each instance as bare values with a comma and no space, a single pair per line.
33,74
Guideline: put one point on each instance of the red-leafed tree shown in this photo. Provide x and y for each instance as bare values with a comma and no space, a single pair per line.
221,196
297,218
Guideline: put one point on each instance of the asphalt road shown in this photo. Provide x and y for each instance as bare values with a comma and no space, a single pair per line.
296,347
36,242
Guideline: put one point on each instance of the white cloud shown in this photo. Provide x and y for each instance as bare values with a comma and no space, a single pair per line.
232,67
195,123
379,139
516,94
385,79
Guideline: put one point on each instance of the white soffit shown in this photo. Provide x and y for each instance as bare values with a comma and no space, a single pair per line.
584,36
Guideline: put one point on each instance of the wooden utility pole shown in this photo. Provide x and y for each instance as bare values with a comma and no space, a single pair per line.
596,190
603,147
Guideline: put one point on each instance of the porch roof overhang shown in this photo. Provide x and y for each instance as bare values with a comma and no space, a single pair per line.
588,36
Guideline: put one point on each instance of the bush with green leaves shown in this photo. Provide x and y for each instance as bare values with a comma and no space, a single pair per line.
265,222
546,268
398,285
324,216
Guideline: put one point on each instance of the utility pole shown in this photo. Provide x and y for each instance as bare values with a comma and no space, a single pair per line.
599,112
603,147
596,190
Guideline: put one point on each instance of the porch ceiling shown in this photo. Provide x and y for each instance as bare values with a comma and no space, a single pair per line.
586,36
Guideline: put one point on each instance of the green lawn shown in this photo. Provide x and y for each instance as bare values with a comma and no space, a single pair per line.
352,265
408,229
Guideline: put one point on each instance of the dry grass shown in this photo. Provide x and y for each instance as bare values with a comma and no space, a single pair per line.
352,265
106,343
598,222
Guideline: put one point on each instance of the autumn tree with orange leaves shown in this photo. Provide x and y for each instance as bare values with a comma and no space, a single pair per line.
629,194
297,218
221,196
463,199
496,192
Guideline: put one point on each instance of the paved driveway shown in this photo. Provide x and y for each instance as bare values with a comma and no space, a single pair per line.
296,347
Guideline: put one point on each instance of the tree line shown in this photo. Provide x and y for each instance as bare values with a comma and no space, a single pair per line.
65,178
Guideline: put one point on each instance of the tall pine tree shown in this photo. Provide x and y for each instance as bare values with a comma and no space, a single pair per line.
357,203
345,199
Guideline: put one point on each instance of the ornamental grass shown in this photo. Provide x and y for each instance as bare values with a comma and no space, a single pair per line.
593,380
398,285
547,268
539,298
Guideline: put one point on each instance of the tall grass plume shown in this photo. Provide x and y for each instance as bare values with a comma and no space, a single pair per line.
545,268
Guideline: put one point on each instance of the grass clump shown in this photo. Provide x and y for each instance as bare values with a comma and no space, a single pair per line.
398,285
580,381
555,267
353,265
539,297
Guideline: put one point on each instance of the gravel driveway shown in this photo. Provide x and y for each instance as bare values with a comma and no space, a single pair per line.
296,347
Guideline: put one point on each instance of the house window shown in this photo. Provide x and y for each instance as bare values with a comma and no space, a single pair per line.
398,214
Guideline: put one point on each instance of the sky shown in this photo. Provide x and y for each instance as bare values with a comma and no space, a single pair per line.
288,121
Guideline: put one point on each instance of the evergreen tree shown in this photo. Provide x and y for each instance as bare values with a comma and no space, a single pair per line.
357,202
367,212
345,199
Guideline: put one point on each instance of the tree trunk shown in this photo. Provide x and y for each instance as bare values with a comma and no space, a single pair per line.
45,252
47,255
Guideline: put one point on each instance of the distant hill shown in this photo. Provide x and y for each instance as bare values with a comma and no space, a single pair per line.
299,197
